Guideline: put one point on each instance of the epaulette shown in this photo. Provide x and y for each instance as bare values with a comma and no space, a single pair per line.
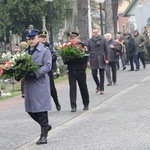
46,47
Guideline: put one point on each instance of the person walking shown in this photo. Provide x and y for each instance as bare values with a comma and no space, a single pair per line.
77,73
132,53
120,40
98,50
140,43
43,41
146,34
37,87
113,47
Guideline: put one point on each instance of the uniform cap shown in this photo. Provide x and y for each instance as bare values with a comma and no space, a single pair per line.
42,33
31,32
73,34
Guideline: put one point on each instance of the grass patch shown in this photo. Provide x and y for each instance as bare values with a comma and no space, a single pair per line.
13,93
61,79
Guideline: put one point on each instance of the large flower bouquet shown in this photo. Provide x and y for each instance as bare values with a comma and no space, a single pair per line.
69,51
18,66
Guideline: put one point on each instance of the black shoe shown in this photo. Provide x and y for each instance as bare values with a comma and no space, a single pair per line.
86,108
22,95
42,140
136,69
43,137
58,107
73,110
124,68
49,128
131,70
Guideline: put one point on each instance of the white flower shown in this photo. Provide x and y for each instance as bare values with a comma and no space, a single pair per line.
3,56
8,55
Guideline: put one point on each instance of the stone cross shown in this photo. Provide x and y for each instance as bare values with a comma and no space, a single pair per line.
44,27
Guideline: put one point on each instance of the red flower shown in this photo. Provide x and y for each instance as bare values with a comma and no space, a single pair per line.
1,71
66,45
7,64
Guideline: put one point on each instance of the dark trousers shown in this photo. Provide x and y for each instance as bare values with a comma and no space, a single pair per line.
22,85
40,117
99,83
148,50
122,57
114,71
132,60
141,56
53,89
79,77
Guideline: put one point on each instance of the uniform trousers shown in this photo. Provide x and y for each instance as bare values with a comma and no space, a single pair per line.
53,88
80,77
40,117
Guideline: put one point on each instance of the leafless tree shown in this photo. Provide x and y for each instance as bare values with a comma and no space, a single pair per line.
115,4
109,23
82,6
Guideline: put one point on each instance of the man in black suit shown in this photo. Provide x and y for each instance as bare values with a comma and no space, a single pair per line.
77,73
43,40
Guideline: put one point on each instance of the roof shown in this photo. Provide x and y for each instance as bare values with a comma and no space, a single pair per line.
129,8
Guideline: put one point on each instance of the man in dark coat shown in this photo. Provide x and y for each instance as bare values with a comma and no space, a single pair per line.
37,87
132,53
77,73
98,51
140,43
43,40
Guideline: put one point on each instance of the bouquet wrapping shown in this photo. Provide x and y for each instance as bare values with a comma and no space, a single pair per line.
18,66
70,51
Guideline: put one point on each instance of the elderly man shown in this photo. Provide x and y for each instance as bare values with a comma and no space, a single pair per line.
113,48
37,87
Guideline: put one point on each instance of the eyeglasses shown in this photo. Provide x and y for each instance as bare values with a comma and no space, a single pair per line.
30,38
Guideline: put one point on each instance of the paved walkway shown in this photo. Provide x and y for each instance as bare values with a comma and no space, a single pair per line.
117,120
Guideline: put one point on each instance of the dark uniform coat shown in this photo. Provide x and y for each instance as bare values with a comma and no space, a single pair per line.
98,49
37,91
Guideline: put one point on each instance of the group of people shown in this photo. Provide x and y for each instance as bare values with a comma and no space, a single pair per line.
38,86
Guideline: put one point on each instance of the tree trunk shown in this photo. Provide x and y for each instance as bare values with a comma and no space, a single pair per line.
115,14
83,19
109,24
